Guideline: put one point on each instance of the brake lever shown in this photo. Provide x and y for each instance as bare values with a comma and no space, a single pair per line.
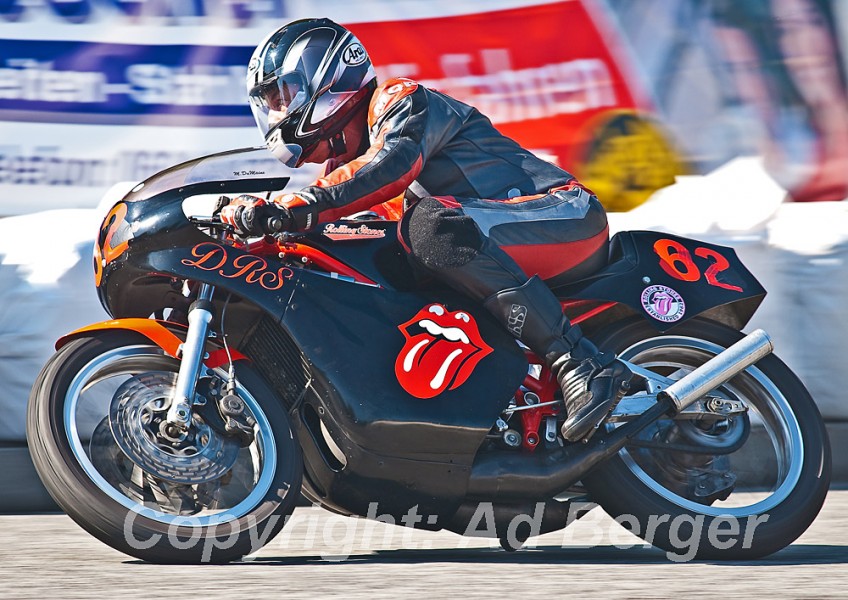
287,237
220,204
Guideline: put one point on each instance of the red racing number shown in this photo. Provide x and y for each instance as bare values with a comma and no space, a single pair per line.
676,260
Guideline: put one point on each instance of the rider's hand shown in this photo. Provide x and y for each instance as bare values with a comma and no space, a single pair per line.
303,211
252,216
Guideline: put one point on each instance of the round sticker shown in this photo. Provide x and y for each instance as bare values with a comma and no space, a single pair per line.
663,303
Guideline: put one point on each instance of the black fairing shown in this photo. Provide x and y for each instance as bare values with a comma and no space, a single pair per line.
328,346
634,265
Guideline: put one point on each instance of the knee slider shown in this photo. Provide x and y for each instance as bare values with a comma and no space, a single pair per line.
440,237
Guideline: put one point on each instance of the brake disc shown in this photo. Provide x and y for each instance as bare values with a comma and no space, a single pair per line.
113,464
137,417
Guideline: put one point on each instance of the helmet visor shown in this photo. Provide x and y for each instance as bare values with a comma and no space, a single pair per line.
274,98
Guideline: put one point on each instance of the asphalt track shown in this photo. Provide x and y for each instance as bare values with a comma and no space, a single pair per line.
324,556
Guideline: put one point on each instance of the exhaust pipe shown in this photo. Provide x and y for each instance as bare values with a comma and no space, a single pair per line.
718,370
507,476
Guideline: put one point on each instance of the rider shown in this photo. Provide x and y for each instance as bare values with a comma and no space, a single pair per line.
314,95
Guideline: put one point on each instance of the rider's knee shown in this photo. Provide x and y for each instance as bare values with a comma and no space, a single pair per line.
440,236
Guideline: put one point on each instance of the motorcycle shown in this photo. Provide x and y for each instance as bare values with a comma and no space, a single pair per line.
237,374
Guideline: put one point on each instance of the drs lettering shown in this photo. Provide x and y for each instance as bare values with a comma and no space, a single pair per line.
676,260
252,269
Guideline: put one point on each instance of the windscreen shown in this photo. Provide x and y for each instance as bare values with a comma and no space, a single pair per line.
244,163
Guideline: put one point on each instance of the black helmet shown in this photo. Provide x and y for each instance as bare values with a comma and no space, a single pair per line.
305,82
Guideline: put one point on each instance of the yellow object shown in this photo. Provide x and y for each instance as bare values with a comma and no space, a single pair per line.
625,159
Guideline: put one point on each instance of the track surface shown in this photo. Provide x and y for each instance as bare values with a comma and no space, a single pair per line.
48,556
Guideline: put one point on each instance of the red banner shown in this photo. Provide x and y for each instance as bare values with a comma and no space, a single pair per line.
541,73
549,76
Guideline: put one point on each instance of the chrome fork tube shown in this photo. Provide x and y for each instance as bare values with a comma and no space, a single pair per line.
191,358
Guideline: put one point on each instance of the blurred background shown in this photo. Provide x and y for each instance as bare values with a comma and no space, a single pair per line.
625,93
725,120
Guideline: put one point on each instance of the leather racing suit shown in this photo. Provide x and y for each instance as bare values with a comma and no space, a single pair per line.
461,182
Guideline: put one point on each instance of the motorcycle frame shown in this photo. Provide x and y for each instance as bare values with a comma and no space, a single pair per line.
281,297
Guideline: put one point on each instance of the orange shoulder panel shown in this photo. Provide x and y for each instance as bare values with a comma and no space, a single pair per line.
347,171
387,95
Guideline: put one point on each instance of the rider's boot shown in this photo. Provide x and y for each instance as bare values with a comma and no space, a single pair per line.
448,244
592,381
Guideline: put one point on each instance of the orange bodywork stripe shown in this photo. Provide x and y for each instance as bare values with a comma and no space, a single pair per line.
153,330
326,262
156,332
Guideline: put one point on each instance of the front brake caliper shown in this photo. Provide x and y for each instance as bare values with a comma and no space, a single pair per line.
229,417
237,422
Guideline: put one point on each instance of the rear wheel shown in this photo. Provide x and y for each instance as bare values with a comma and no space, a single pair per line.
201,497
756,481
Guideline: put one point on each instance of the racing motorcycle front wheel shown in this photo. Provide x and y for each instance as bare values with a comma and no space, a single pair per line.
99,440
734,488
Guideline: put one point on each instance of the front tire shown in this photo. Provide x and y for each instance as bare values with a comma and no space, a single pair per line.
91,479
781,473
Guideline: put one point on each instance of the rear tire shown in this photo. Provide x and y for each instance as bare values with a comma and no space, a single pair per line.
132,522
787,423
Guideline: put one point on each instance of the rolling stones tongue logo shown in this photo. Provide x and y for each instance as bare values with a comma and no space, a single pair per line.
663,303
441,351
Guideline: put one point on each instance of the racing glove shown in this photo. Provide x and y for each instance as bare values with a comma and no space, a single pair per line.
252,216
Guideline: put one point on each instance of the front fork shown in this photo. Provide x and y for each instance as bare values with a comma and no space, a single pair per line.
192,354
